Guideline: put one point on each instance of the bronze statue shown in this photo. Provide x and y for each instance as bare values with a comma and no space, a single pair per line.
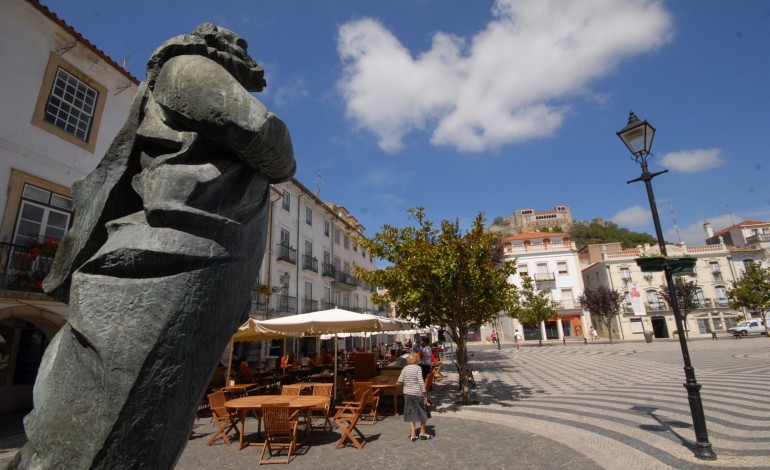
170,233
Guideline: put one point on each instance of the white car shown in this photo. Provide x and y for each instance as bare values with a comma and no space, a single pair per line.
753,326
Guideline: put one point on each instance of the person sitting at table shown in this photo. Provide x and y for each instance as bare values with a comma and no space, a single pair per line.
305,361
287,361
245,374
326,358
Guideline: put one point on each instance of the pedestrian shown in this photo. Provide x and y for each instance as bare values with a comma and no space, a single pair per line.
494,337
415,398
518,338
594,334
425,358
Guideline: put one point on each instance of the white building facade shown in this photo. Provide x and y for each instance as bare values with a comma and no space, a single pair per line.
715,271
64,102
551,260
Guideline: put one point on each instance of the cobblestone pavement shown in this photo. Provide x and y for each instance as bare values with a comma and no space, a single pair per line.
619,406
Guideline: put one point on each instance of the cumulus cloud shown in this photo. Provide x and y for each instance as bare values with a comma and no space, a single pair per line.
692,161
634,216
506,84
695,234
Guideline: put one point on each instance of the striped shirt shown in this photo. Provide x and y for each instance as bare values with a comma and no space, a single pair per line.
411,377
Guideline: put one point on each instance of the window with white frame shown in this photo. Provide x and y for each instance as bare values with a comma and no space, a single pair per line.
286,200
722,300
346,242
308,216
716,273
523,270
42,213
561,267
567,300
71,105
625,273
285,238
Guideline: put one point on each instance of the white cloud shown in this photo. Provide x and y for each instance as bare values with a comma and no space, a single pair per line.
692,161
634,216
502,85
695,234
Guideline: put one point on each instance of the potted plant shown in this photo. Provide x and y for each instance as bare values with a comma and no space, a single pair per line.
683,265
651,263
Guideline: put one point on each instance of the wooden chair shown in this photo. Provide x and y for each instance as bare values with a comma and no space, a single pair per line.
346,418
364,394
437,371
429,382
290,391
322,390
224,419
280,432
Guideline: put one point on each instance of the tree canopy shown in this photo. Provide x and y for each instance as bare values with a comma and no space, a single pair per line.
685,296
439,275
535,306
604,304
752,291
596,233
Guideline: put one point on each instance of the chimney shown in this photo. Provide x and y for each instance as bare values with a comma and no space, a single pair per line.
708,229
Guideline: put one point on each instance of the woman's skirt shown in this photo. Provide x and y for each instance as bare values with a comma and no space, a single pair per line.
415,410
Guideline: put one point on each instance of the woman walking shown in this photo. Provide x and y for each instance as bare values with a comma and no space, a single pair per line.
415,397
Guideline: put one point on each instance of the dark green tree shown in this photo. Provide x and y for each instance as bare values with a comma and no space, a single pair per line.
752,292
438,275
604,304
595,233
535,306
685,296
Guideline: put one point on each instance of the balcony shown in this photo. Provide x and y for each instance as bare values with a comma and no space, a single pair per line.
309,305
758,238
23,268
346,279
310,263
327,305
716,275
567,304
287,253
328,270
285,303
544,277
722,303
259,301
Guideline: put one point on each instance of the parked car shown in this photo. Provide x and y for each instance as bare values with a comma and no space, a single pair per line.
753,326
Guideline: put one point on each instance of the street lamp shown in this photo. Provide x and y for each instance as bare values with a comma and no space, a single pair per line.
638,136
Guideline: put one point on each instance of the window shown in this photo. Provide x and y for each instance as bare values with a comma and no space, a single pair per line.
309,216
636,325
700,298
561,267
285,237
327,257
715,272
309,290
523,270
652,300
69,104
625,273
722,300
355,247
41,213
567,300
327,227
336,236
286,201
308,248
346,242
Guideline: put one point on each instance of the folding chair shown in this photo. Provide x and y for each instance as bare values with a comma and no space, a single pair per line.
322,390
437,371
365,395
280,432
346,418
290,391
224,419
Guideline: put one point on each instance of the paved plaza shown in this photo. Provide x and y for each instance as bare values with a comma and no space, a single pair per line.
619,406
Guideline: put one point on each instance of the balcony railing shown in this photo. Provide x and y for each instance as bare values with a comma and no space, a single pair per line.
346,278
567,304
23,268
310,263
326,305
309,305
285,303
287,253
760,237
328,270
259,301
722,303
544,277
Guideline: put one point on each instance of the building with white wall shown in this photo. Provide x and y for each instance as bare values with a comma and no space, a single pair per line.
715,271
64,101
551,259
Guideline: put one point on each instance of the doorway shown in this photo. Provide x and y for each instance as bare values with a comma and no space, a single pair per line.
659,327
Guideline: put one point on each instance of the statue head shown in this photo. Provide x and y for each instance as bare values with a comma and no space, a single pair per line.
218,44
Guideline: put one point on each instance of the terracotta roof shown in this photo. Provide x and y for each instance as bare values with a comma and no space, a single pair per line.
745,223
79,38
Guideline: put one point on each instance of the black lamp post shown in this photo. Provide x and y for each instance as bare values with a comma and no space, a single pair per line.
638,135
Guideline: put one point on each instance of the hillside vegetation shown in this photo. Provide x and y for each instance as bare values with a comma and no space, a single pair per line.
595,233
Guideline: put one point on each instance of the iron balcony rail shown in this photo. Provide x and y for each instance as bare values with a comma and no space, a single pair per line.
309,305
310,263
285,303
23,268
287,253
327,270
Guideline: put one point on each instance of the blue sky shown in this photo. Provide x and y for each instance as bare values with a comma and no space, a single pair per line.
469,106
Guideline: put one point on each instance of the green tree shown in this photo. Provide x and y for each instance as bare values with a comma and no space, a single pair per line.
685,296
595,233
441,276
535,307
752,292
603,304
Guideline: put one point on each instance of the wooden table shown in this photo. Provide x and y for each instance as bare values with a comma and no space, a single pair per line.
380,384
246,405
239,389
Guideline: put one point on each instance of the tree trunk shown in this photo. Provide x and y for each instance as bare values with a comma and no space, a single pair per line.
462,355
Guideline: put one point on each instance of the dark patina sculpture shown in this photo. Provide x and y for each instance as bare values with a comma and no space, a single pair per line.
170,233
